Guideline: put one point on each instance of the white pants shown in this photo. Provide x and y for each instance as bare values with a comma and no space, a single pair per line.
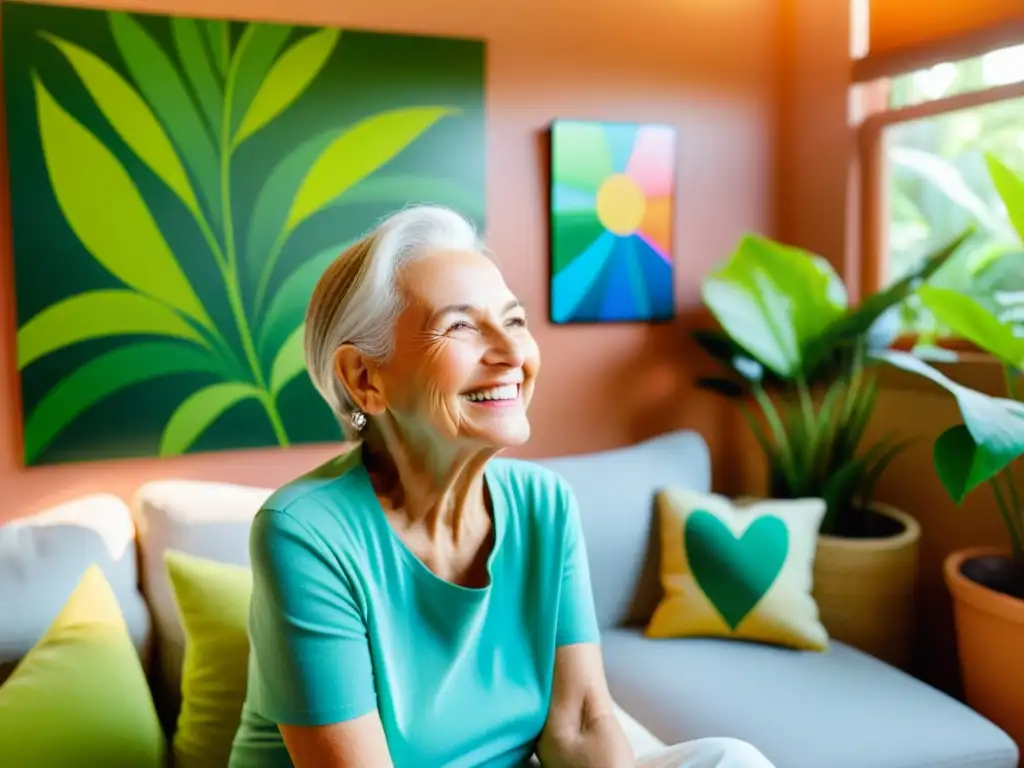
699,753
706,753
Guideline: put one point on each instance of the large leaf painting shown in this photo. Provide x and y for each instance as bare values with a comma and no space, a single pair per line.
179,185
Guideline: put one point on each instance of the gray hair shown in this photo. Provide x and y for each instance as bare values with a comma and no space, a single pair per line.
356,301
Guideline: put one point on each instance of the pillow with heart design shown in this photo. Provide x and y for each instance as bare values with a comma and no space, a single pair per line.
738,571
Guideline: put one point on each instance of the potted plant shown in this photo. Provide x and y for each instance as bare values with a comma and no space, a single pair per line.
986,583
791,346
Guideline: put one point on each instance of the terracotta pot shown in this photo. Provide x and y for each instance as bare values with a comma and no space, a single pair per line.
866,588
990,643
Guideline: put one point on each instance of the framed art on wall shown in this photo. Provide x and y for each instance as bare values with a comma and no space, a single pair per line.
178,185
611,208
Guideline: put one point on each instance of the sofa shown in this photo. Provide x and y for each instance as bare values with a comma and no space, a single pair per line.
838,709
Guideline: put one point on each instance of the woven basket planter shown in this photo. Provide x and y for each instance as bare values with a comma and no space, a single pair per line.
865,588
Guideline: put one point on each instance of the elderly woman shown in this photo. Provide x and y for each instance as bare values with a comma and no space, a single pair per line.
417,602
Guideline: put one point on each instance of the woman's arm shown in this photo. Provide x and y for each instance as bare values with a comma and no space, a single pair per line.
310,649
581,730
357,743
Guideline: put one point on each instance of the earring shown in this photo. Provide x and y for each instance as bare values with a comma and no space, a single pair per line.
358,419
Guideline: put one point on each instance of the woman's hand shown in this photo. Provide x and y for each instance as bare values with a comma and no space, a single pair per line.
358,743
581,730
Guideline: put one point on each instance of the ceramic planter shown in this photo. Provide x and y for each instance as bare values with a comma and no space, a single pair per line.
865,588
990,644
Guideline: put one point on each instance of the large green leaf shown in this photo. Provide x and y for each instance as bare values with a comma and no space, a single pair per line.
968,319
162,86
218,37
255,54
199,411
356,153
287,79
188,39
1010,187
773,300
994,426
104,376
97,314
270,211
130,117
121,233
290,361
288,306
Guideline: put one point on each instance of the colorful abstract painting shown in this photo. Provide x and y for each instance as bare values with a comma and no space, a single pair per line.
178,185
612,193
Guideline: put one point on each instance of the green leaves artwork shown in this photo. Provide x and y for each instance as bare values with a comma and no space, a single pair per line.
178,185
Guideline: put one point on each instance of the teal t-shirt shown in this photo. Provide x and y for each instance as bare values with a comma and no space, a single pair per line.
345,619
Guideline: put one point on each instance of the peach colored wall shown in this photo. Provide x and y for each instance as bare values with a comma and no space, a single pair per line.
706,66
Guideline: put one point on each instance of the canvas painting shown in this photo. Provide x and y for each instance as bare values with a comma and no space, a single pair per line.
178,185
612,201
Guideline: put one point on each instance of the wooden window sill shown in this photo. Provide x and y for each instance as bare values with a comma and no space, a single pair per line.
975,370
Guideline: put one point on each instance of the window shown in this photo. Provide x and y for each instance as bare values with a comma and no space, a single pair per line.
924,137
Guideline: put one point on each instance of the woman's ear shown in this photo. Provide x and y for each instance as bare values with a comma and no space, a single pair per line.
361,379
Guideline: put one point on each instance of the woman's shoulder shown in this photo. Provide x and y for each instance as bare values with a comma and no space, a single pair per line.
531,486
319,503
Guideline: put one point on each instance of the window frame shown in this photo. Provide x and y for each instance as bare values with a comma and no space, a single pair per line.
874,192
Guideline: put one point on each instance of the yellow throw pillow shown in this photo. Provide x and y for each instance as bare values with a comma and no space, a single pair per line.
80,696
742,572
213,602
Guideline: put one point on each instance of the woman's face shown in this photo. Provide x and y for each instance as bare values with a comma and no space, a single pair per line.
464,362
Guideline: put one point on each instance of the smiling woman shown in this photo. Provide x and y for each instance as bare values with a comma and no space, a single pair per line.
417,601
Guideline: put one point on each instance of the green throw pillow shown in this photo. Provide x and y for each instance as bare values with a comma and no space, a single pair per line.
213,602
80,696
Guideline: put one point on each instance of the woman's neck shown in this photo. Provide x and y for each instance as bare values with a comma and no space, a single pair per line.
442,490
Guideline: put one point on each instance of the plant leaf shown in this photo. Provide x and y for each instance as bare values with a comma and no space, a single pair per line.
130,117
994,424
729,388
877,467
287,79
161,86
288,307
837,491
356,153
121,229
270,211
967,318
401,188
826,427
777,472
956,457
256,52
94,315
199,411
1010,187
290,361
104,376
218,37
945,177
858,323
189,42
773,300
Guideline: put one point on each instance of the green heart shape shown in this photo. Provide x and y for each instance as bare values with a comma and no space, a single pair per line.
735,573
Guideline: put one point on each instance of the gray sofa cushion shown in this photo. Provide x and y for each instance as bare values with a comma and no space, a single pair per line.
840,709
42,558
616,490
